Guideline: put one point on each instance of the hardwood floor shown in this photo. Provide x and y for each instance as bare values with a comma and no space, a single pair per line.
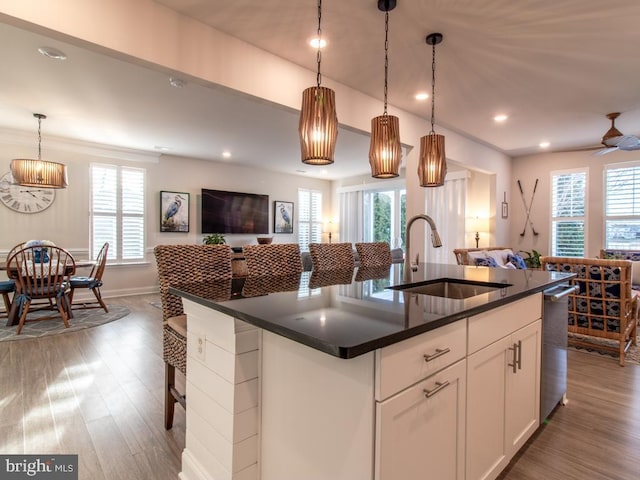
99,393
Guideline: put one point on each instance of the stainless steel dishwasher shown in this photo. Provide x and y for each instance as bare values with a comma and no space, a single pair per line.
553,374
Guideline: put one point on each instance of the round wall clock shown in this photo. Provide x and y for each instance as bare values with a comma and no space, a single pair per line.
24,199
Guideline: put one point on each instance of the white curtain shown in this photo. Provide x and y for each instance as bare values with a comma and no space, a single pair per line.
351,217
446,205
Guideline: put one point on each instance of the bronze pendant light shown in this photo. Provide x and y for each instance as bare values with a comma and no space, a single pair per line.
432,165
39,173
385,151
318,126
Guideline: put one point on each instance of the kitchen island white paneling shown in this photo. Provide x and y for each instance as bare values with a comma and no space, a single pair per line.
297,398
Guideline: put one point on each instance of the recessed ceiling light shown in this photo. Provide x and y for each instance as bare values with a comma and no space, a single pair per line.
161,148
177,82
314,42
422,96
226,154
500,118
52,53
544,144
301,171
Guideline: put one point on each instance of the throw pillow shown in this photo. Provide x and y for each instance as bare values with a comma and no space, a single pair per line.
518,261
486,262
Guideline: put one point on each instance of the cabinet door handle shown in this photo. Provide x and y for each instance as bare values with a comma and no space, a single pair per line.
514,365
439,353
519,361
439,386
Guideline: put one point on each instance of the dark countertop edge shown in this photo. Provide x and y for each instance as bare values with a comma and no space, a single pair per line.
348,352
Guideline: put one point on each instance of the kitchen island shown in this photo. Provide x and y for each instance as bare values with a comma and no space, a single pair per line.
341,377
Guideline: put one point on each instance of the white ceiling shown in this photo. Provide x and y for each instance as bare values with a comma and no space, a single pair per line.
555,67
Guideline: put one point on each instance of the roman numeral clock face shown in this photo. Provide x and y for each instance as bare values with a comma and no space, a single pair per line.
24,199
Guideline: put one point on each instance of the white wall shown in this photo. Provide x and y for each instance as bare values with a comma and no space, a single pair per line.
527,169
66,222
185,45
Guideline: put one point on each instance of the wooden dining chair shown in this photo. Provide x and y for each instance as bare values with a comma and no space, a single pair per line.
93,282
332,256
274,259
8,287
374,254
37,279
183,264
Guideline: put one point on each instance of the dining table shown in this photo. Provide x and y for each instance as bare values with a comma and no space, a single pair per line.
13,316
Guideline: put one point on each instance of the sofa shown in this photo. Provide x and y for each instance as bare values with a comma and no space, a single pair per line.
604,306
502,257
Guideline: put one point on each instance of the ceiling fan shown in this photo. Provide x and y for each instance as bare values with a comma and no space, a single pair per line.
615,140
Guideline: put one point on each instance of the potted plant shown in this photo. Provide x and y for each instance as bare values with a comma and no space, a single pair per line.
533,259
214,239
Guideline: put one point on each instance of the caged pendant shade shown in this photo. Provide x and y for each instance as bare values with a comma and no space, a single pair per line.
385,150
39,173
432,164
318,128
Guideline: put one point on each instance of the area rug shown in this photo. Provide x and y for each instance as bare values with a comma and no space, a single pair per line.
81,319
632,356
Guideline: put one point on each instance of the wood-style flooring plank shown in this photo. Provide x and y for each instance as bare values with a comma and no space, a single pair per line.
596,436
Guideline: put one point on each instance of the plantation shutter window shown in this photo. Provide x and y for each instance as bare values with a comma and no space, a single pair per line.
622,206
309,218
118,211
568,213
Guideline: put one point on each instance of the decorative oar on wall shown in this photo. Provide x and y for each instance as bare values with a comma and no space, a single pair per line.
528,208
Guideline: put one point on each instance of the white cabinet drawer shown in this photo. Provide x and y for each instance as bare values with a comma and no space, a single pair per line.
420,432
405,363
488,327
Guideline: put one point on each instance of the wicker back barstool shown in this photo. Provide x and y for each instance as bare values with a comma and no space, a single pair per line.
182,264
332,256
374,254
273,259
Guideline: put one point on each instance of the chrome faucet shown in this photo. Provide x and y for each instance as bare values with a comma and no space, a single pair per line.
435,241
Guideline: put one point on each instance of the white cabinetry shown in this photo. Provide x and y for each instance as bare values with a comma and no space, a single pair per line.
446,404
420,431
503,386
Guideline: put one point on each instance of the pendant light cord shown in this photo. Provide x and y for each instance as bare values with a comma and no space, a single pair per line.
318,54
39,139
386,58
433,88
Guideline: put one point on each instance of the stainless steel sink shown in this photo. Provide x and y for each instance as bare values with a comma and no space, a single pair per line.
450,288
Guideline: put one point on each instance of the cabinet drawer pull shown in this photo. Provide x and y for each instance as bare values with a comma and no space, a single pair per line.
439,353
439,386
514,365
519,360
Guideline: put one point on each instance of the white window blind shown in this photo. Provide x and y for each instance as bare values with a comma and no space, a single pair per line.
622,206
309,218
118,211
568,213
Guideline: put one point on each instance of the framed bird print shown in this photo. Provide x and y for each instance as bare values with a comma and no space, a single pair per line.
282,217
174,212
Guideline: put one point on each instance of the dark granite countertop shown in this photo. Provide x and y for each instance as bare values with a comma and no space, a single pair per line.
347,314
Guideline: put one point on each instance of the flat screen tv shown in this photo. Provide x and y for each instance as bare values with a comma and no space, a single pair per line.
234,212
